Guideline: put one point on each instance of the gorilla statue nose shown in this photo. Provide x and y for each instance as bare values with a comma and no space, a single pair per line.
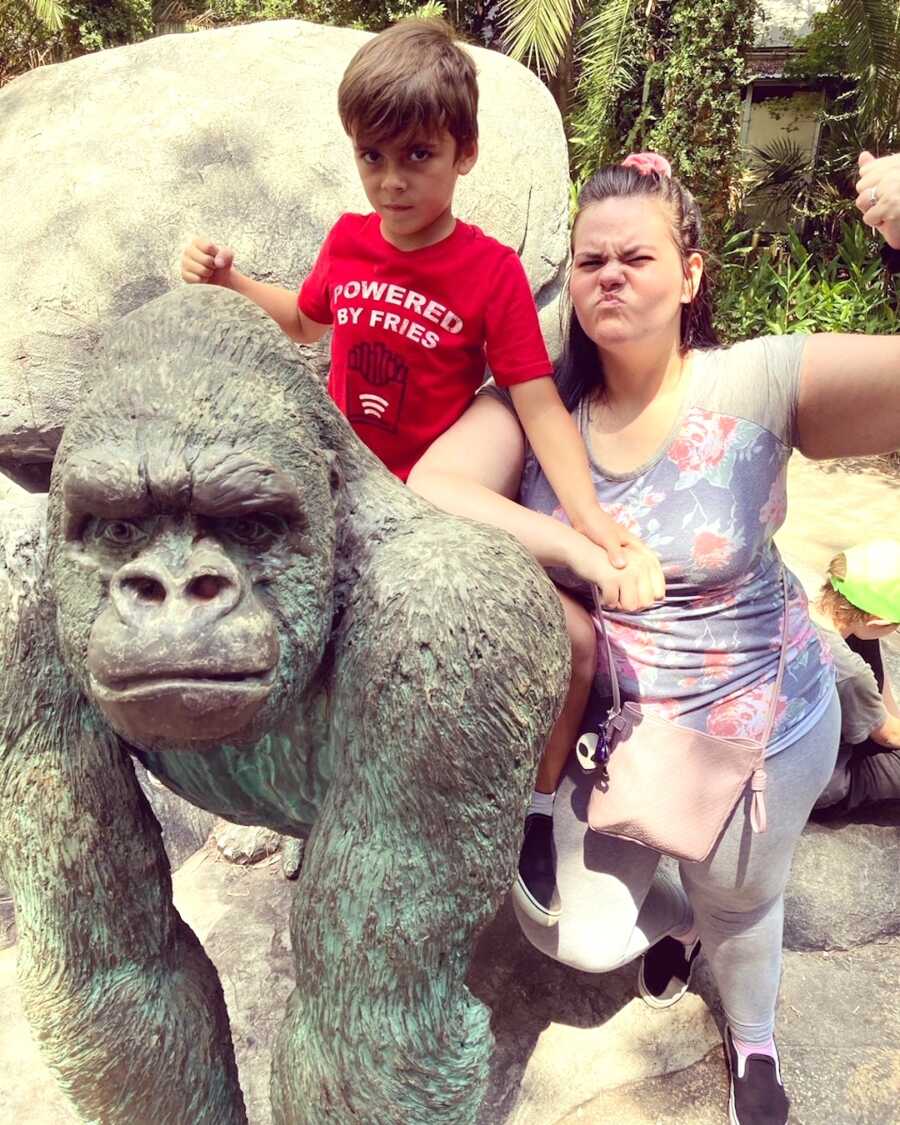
207,586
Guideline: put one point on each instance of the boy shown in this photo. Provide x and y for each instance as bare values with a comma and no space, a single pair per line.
418,299
859,604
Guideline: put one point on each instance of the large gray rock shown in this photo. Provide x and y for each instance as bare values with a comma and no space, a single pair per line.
845,884
111,162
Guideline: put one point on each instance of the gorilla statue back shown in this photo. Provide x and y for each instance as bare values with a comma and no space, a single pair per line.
230,587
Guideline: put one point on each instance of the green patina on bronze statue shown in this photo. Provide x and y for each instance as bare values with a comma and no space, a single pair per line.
229,586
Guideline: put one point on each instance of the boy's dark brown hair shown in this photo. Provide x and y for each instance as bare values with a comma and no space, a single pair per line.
409,82
840,609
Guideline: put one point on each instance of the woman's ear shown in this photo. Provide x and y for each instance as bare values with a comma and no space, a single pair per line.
693,272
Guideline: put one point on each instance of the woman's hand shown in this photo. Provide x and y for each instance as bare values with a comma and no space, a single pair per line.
638,585
878,195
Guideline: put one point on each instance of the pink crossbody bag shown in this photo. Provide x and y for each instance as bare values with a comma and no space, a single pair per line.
666,786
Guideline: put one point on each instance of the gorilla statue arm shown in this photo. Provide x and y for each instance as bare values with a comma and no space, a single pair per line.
239,593
119,992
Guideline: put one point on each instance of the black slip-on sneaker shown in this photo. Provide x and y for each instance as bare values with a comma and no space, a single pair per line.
534,890
757,1093
665,971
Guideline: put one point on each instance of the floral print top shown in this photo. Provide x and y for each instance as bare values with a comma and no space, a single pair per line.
708,503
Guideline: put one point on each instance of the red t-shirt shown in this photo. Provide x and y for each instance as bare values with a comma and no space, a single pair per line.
413,330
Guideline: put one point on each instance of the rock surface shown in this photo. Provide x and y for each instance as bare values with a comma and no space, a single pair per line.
239,139
240,844
845,886
7,918
571,1047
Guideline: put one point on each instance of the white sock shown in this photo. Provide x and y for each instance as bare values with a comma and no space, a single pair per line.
542,803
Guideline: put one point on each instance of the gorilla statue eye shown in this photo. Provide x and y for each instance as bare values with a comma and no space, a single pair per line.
258,531
117,533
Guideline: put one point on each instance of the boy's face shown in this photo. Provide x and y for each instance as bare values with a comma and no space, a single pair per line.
410,185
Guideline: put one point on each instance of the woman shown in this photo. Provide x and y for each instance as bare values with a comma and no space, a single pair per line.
689,445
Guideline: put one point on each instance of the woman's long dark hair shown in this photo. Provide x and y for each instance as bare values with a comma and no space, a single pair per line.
579,370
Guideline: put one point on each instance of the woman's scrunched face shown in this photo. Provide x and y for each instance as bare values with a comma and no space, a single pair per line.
627,281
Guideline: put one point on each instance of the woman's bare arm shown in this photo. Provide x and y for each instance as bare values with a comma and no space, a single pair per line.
849,403
474,470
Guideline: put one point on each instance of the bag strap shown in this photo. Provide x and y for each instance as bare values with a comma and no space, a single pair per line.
758,780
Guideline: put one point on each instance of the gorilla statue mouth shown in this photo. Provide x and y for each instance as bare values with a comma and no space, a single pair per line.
183,707
178,681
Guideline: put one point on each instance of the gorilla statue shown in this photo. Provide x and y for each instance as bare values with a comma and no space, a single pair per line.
227,585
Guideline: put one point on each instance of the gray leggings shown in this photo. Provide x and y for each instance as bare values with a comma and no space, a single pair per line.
616,902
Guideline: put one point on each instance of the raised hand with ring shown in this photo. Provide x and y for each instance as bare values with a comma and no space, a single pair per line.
878,195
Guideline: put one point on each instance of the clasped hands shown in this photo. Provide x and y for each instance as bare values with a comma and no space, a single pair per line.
626,572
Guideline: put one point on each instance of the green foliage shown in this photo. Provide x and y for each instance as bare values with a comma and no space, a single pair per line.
873,51
227,12
357,13
858,40
788,287
823,51
815,198
539,32
92,25
25,40
610,67
37,31
703,77
49,12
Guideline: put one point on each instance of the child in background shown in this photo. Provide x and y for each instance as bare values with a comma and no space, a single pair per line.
859,605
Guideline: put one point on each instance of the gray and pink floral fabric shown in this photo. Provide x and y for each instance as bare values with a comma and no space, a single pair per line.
708,504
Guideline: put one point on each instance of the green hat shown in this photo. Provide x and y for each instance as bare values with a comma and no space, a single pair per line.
872,583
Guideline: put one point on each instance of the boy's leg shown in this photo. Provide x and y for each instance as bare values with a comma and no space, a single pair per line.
615,901
535,890
583,639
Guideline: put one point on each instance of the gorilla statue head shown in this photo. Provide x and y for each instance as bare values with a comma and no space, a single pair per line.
194,600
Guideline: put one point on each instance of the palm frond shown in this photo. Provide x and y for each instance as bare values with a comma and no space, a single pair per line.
602,38
430,10
610,66
49,12
873,50
781,162
601,50
537,32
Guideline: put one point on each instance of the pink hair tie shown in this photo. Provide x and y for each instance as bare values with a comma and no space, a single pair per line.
647,162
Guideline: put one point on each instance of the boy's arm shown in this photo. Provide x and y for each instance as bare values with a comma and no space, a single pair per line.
517,357
204,261
559,447
281,305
